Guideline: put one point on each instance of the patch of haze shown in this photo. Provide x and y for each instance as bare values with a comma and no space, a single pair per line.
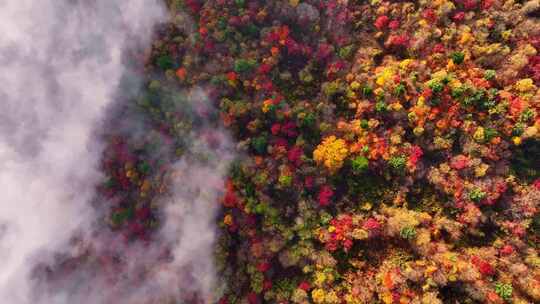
197,181
61,63
177,265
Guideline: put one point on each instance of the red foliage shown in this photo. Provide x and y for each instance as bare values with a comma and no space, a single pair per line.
507,250
470,4
275,129
394,25
416,154
484,267
295,155
203,31
267,285
224,300
232,76
263,267
264,68
533,68
371,224
325,194
381,22
308,182
460,162
396,297
304,285
230,200
289,129
342,228
459,16
402,40
430,15
501,187
194,5
487,4
438,48
347,244
253,298
334,68
293,48
536,184
324,50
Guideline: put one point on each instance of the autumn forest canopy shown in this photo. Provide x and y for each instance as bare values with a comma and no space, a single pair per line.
324,151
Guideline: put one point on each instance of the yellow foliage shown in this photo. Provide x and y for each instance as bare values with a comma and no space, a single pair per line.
525,85
332,153
318,295
320,278
479,134
386,75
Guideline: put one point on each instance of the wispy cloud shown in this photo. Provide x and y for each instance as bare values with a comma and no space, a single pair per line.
61,64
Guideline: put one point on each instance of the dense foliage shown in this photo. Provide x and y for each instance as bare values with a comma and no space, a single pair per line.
389,149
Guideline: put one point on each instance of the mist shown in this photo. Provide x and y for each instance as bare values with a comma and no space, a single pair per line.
61,64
